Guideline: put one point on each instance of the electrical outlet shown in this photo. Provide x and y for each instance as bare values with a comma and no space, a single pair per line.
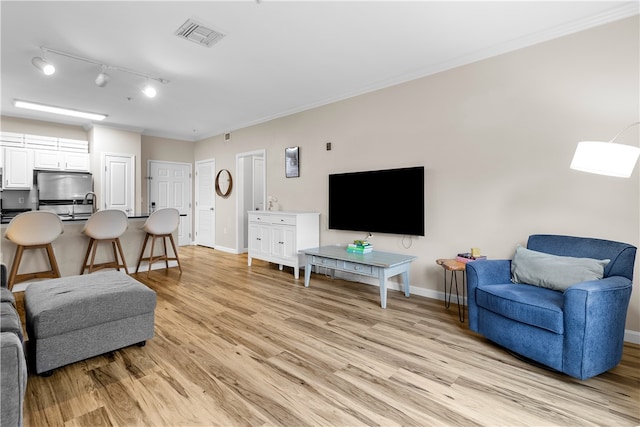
21,200
328,146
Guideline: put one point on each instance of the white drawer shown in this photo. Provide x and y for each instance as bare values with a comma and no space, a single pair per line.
358,268
283,219
266,219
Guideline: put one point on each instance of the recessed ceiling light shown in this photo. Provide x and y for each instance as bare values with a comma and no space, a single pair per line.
58,110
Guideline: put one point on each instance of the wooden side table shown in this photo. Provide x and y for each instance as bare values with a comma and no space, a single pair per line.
454,267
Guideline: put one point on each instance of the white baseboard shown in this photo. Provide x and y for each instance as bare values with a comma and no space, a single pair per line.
632,336
221,249
227,250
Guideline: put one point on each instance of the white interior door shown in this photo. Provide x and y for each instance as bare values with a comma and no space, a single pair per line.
205,203
119,181
170,187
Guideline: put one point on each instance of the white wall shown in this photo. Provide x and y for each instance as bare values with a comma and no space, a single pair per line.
496,139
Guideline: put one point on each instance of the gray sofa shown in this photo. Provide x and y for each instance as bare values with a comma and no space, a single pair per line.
13,365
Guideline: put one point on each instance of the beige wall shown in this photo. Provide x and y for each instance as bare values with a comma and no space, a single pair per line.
496,139
36,127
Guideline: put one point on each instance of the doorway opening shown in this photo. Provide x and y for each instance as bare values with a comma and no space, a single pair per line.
252,190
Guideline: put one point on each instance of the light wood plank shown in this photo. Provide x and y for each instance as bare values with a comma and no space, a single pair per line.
251,346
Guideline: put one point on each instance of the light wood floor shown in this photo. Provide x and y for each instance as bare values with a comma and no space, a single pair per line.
240,346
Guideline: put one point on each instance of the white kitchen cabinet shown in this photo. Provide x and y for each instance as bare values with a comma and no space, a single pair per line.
75,162
46,159
60,160
18,168
278,237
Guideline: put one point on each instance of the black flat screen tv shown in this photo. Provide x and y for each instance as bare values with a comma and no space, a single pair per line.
384,201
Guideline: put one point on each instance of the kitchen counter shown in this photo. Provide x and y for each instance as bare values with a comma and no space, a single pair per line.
71,246
83,217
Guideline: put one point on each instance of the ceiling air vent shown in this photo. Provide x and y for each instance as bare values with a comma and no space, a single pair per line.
198,33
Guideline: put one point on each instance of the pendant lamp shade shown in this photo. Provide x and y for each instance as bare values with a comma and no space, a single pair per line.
605,158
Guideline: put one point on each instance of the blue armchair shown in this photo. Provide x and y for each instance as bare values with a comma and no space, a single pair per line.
578,331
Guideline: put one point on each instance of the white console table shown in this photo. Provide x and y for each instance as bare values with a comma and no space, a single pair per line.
374,264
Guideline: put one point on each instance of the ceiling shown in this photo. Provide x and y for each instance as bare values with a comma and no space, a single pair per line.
276,58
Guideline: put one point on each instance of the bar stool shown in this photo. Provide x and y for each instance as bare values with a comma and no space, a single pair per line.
105,226
160,224
33,230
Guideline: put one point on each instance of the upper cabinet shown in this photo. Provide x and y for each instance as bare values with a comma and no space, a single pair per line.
48,152
60,160
76,162
18,168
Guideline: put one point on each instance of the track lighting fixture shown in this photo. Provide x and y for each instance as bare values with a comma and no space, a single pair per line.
44,66
149,91
103,78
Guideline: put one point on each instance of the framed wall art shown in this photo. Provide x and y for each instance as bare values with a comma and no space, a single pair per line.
292,162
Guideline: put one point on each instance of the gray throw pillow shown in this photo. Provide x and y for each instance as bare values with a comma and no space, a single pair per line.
553,271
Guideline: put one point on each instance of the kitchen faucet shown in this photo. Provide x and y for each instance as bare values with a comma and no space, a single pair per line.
94,204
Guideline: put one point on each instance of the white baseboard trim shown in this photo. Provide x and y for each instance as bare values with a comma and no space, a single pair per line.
632,336
221,249
227,250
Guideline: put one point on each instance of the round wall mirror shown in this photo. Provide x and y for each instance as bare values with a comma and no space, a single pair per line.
224,183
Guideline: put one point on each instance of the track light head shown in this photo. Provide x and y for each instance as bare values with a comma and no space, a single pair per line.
42,65
149,91
102,79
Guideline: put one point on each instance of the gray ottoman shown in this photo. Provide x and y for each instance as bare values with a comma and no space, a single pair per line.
74,318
